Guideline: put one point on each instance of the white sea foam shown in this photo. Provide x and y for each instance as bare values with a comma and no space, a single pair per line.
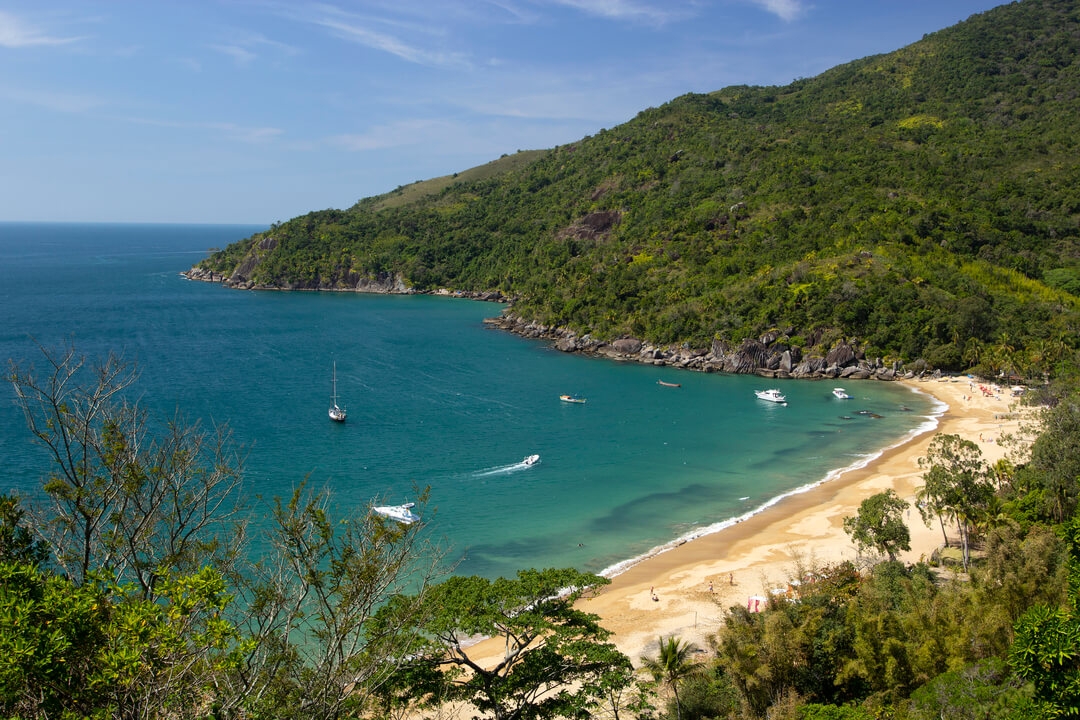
931,421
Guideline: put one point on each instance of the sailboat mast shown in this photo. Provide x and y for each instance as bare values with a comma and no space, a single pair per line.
336,414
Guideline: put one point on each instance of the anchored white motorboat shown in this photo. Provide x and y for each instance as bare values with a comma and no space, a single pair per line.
531,459
772,395
401,513
841,393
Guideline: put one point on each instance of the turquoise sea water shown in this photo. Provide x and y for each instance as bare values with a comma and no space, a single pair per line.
434,398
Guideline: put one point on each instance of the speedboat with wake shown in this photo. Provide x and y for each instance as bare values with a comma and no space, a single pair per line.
772,395
399,513
531,460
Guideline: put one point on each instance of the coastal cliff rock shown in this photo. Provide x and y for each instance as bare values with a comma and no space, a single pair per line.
769,356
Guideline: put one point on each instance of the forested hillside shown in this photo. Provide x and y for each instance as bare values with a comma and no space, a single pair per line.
924,202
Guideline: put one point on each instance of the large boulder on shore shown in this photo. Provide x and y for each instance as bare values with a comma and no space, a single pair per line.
567,344
842,355
627,345
785,361
809,367
748,358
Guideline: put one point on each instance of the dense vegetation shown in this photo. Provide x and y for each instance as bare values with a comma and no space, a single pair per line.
925,202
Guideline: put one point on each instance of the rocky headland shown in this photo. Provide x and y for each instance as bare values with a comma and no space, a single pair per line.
768,355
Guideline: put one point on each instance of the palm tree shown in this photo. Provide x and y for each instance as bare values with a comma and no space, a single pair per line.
1003,355
973,351
672,665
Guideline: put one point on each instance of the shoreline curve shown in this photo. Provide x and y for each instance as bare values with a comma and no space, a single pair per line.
685,587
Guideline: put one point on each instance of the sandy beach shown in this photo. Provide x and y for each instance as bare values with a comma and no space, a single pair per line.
695,583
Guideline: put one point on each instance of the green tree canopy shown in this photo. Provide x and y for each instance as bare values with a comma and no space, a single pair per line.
957,485
880,524
555,661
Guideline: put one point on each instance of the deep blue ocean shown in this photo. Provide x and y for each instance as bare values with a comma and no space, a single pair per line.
434,399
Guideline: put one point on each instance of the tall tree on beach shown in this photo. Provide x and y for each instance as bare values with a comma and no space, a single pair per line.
879,524
956,486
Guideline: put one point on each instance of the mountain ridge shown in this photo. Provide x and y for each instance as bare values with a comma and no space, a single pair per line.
921,204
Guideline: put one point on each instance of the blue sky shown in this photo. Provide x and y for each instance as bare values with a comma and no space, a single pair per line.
253,111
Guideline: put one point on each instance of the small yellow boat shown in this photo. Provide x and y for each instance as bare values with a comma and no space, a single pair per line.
571,399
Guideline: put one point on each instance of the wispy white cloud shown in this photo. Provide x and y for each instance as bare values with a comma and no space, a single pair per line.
513,11
14,33
241,46
190,63
240,55
786,10
242,133
405,132
361,30
55,101
626,9
254,39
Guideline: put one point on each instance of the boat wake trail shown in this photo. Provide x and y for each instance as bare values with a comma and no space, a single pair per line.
502,469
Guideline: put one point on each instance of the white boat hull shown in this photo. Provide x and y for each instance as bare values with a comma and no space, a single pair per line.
771,396
398,513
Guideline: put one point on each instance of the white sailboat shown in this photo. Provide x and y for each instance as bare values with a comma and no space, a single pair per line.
337,414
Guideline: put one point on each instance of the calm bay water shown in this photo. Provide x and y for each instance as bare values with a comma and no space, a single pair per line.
434,399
